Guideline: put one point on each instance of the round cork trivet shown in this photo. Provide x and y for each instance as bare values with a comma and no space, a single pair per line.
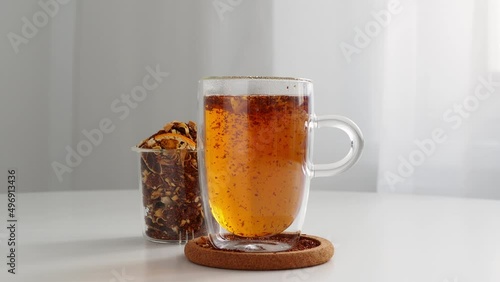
311,251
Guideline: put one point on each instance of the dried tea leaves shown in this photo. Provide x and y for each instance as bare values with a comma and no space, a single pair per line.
171,194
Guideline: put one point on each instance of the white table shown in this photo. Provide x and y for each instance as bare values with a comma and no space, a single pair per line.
95,236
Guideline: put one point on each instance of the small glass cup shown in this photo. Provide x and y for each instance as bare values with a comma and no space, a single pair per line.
172,206
254,142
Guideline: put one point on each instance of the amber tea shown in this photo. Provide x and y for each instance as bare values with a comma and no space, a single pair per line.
255,152
255,163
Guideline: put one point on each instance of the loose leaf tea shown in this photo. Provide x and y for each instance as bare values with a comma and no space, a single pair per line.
172,200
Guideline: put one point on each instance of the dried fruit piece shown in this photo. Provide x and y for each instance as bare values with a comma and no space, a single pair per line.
174,141
174,135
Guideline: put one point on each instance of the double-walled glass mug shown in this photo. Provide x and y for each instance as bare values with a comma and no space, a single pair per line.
254,142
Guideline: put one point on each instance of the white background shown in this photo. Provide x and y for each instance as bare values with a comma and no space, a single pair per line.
426,60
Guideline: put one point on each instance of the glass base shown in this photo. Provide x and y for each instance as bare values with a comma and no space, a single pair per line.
162,241
256,246
272,244
181,239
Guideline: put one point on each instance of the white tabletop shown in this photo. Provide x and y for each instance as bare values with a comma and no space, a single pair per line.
95,236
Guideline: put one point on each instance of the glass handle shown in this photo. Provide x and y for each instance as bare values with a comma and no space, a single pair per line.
354,133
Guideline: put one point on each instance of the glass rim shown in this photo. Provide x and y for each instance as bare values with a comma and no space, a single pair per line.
231,77
147,150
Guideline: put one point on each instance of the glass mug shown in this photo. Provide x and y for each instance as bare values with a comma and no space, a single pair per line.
255,137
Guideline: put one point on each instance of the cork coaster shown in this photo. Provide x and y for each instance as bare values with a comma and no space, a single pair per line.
311,251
